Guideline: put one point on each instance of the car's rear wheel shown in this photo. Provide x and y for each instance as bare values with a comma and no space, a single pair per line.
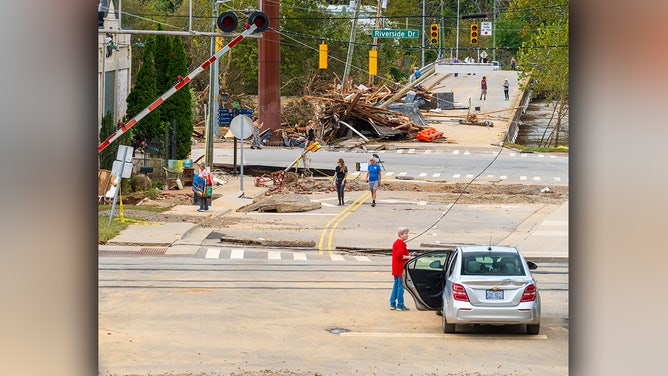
447,328
533,329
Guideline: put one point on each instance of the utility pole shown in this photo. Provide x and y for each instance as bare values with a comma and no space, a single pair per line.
457,38
351,45
494,33
213,90
423,30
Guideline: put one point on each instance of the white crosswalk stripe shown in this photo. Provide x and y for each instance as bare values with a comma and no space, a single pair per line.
274,255
337,258
237,254
213,253
362,258
298,256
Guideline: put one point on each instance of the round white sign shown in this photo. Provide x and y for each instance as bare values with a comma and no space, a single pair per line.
241,127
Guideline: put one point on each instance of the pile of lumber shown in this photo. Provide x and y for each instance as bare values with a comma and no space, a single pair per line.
340,116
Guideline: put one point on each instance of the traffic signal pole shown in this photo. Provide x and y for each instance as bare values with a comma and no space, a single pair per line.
183,82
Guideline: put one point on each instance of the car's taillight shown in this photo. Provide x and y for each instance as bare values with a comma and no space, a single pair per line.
459,292
529,294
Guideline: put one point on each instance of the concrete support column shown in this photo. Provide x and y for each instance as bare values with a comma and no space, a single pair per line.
269,61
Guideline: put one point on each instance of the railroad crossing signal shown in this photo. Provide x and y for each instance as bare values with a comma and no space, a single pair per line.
474,34
433,37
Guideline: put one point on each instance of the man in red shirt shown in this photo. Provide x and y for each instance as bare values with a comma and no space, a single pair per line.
399,256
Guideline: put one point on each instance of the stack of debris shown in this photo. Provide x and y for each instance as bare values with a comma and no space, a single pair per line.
358,113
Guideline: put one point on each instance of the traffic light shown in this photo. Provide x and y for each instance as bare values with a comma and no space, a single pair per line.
474,34
373,62
433,37
323,56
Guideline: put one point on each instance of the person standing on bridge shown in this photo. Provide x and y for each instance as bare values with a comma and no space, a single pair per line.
506,87
400,255
373,178
483,88
340,174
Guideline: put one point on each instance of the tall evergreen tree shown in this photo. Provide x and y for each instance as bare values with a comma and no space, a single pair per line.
142,95
108,155
178,107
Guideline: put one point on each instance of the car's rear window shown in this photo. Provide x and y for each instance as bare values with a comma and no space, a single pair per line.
492,263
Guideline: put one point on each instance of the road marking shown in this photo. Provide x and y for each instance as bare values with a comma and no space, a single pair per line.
237,254
513,154
503,177
541,156
476,336
467,153
455,152
536,178
422,174
523,178
389,173
428,151
469,176
456,176
213,253
362,258
400,151
436,174
337,258
556,178
550,233
411,151
490,176
524,155
298,256
334,222
274,255
403,173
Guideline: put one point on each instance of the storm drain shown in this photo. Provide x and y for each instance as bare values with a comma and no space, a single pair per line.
337,330
135,251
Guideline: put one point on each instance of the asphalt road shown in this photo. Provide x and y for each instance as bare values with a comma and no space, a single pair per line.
176,315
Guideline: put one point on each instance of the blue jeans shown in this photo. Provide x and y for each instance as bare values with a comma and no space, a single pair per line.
397,293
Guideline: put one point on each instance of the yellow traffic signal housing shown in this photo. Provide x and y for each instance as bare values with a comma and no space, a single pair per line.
322,64
474,34
433,36
373,62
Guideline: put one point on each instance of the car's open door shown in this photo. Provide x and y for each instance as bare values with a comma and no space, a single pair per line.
424,278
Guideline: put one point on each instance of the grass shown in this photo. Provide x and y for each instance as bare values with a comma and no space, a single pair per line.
105,232
558,149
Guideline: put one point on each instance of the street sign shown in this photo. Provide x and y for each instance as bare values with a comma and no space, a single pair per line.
122,169
486,28
389,33
241,127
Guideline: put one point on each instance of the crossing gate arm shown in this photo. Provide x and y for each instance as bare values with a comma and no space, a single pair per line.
184,81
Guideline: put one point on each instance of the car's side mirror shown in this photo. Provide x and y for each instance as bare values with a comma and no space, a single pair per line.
532,266
436,264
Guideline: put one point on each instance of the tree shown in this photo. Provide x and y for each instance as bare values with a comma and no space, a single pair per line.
178,107
142,95
543,57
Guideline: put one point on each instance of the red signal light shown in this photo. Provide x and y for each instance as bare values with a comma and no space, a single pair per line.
227,22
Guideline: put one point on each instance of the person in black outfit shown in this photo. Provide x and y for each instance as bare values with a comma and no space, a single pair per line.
310,135
340,174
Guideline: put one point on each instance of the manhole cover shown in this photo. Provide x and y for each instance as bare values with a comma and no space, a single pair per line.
337,330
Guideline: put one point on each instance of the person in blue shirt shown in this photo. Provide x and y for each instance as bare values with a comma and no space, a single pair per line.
373,177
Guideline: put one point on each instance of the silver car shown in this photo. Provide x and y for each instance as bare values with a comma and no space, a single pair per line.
488,285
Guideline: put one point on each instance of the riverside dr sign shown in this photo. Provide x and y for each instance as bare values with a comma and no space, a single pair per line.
389,33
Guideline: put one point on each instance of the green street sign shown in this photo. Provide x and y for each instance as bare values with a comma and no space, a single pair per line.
389,33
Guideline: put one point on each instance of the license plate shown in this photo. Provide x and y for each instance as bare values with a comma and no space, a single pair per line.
494,294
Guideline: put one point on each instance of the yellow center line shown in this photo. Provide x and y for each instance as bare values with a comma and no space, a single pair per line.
337,219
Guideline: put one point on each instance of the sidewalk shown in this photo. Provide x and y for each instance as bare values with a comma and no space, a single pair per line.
542,237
